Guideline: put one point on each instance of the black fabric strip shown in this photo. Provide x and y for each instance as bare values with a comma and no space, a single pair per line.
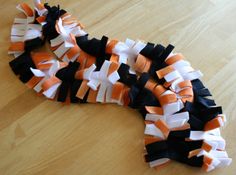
95,48
179,135
210,113
100,60
133,93
197,84
159,56
177,145
166,52
33,44
198,120
66,74
203,92
157,147
213,110
199,116
156,53
144,77
191,107
172,154
141,98
157,62
21,66
195,123
125,77
73,91
200,92
49,31
205,101
152,71
63,91
146,51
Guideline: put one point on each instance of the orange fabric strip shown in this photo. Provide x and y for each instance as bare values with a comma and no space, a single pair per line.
110,46
92,96
82,90
114,58
140,63
154,110
150,139
166,99
163,72
212,124
117,91
50,82
163,127
27,9
158,91
17,46
174,58
33,81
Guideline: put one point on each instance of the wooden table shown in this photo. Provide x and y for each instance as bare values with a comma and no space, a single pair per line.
38,136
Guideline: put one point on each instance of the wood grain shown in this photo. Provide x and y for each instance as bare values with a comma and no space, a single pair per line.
38,136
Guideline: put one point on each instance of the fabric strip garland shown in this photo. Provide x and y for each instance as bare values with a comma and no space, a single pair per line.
181,119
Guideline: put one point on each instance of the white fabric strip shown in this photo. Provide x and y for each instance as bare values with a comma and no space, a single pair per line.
219,158
158,162
173,107
151,129
51,92
20,21
41,12
173,121
61,50
201,135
